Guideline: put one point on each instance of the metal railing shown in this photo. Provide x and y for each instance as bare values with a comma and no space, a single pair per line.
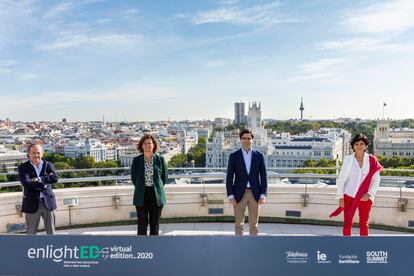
121,175
206,176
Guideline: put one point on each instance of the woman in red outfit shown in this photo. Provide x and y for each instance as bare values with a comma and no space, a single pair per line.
357,183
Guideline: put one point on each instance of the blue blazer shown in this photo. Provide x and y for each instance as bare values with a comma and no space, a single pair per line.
237,177
31,190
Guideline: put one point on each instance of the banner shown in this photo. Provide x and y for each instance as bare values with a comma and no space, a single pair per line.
205,255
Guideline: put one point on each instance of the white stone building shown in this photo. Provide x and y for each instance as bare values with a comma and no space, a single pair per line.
88,147
393,141
10,157
280,150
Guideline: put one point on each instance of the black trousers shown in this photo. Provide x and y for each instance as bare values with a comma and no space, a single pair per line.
149,210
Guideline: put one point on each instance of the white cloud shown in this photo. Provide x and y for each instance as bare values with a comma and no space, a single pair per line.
60,8
68,40
366,45
214,63
132,101
33,76
388,17
16,17
255,15
227,2
127,94
323,68
6,66
238,63
377,29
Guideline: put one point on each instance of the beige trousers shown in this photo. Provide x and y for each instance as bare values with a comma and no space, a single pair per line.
253,208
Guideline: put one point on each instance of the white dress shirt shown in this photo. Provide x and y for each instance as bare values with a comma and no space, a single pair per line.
247,155
38,169
352,175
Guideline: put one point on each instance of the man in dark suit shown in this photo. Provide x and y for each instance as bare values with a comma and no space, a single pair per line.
37,177
246,183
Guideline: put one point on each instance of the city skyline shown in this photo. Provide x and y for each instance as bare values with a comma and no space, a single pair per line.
145,61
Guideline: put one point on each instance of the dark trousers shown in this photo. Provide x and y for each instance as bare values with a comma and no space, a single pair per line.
149,209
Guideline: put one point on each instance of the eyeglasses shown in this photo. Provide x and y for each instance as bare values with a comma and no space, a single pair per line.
246,138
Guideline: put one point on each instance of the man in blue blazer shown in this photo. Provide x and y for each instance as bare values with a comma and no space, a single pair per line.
246,183
37,177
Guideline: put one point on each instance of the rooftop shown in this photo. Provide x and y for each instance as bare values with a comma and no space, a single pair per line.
226,229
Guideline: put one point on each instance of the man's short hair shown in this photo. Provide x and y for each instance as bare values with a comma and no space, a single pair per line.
246,131
33,145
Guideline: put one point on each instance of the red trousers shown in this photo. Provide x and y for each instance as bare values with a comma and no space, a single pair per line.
364,208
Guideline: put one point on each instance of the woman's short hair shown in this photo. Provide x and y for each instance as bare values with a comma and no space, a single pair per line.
246,131
145,137
359,137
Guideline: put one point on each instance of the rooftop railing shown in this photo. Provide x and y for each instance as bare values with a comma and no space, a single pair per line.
121,176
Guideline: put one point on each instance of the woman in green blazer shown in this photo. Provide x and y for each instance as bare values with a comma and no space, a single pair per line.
149,174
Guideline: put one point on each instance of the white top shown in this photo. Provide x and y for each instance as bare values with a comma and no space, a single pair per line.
351,177
247,155
38,170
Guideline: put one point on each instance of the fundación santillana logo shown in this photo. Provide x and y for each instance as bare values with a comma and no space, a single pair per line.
348,259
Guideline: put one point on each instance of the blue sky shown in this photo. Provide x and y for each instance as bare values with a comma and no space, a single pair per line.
182,59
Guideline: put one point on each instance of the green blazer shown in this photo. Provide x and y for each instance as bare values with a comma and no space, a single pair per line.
138,179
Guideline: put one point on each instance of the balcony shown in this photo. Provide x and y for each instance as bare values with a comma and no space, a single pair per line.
199,195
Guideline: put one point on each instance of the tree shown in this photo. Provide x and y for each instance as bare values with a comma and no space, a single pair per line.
178,160
107,164
198,153
85,162
318,163
3,178
61,166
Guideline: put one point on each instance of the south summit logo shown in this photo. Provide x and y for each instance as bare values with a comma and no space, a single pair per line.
377,257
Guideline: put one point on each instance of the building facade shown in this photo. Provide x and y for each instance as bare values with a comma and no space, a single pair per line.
239,113
280,150
393,141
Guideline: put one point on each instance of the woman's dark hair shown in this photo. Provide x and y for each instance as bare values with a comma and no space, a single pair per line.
359,137
246,131
145,137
